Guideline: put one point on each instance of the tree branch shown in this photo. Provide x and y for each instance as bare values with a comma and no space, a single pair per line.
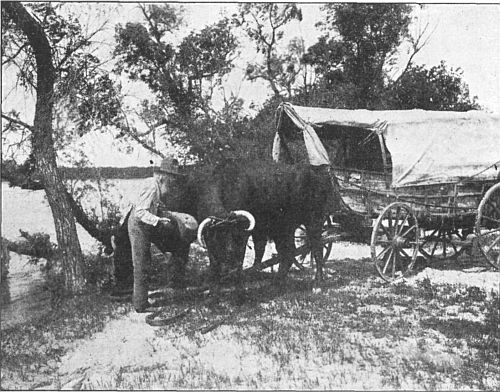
11,58
18,122
417,46
134,135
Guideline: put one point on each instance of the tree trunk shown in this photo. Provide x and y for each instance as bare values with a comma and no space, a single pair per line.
43,146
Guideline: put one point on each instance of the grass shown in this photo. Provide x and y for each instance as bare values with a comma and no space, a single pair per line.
356,333
31,352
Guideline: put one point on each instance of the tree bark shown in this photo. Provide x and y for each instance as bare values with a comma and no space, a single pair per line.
43,146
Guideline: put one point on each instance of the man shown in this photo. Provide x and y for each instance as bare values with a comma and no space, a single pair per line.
150,222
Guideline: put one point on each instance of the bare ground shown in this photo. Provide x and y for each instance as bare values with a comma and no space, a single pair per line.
436,330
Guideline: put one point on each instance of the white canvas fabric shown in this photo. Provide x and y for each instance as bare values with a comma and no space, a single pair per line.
315,150
427,147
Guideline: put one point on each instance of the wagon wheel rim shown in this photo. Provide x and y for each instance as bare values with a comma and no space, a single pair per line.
487,227
302,247
303,253
395,241
439,244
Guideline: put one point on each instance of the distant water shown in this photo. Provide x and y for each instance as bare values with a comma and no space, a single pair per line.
22,294
29,210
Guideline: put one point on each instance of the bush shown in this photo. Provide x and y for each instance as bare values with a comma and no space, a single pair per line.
37,246
98,271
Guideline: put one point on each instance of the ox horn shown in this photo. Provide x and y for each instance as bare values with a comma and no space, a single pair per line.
246,215
201,227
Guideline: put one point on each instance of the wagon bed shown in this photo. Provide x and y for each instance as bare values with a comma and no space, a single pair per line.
432,176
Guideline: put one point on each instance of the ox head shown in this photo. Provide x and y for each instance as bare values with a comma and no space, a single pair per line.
226,239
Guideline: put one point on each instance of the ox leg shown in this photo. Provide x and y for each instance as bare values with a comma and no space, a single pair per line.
317,251
259,243
180,259
122,259
214,276
285,247
238,255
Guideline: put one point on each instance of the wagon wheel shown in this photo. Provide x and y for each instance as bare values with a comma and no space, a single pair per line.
395,241
303,244
487,228
441,244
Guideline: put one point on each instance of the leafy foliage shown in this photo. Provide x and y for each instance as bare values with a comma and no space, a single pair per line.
148,53
264,24
84,92
437,88
352,61
183,78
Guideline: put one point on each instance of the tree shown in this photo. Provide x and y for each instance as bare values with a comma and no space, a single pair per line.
264,24
42,142
352,62
437,88
182,76
84,97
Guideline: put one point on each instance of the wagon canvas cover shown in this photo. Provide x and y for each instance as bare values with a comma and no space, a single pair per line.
427,147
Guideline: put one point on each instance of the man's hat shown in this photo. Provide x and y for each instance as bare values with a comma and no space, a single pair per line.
169,165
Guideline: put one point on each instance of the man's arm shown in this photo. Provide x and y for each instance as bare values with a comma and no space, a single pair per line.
147,204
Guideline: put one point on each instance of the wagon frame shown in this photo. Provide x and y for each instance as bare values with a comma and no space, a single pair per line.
430,207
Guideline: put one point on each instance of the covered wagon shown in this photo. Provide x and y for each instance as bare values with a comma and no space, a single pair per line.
417,183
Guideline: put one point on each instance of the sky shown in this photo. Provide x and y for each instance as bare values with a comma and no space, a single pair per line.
465,36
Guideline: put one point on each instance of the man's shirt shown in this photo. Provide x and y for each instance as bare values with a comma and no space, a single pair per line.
146,206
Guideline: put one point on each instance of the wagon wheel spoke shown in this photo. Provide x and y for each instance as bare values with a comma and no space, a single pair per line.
388,261
401,228
382,253
439,244
383,242
450,241
303,244
443,241
395,256
487,233
396,219
494,207
395,228
434,248
387,233
389,219
404,254
489,219
409,230
495,241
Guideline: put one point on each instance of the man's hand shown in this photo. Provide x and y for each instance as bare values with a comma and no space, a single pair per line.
165,222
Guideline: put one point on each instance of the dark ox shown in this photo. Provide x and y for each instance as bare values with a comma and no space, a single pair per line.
280,197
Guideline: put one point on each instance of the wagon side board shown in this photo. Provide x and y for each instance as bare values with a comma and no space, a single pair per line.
436,205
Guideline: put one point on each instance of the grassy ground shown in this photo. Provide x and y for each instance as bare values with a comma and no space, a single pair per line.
354,333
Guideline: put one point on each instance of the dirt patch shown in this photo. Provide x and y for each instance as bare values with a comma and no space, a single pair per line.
435,330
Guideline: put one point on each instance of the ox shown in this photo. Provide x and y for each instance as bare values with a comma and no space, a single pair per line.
266,200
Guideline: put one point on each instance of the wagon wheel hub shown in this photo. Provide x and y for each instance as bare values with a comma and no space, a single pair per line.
399,242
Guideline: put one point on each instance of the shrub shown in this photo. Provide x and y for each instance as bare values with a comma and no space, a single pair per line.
98,271
37,246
